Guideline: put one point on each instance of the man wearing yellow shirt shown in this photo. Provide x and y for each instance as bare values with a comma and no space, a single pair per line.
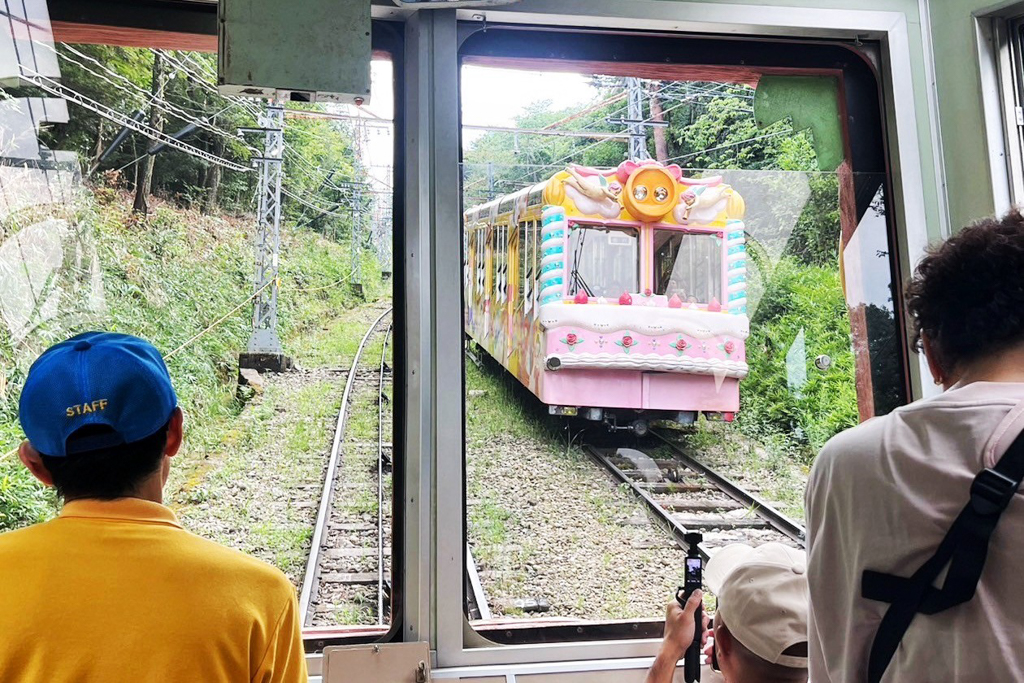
114,589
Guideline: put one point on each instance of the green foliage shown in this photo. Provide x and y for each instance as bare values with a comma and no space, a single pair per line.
808,299
153,288
516,161
122,80
725,136
22,500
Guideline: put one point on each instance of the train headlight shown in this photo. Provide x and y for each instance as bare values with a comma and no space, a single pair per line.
649,193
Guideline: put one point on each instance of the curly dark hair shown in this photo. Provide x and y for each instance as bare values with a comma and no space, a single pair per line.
967,294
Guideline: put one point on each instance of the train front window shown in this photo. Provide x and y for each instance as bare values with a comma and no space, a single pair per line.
688,265
604,261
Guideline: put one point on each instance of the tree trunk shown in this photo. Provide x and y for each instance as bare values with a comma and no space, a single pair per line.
144,169
213,174
99,146
660,140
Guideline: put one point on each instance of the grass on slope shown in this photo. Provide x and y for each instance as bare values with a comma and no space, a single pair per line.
165,277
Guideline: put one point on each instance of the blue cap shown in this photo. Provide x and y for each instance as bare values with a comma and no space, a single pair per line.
95,378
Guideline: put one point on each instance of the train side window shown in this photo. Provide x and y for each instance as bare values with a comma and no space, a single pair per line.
536,260
528,229
502,263
480,260
272,468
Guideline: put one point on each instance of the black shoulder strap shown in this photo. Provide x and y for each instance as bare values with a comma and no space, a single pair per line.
964,549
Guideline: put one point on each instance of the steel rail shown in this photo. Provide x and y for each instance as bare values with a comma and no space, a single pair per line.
380,479
677,530
323,516
763,509
476,588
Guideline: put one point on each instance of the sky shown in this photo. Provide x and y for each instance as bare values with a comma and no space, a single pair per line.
490,97
495,97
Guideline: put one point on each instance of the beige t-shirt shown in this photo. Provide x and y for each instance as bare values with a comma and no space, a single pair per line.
881,496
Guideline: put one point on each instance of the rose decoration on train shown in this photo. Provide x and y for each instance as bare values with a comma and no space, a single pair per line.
626,343
680,345
571,340
728,346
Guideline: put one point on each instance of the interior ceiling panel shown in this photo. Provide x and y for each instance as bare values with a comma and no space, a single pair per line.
164,24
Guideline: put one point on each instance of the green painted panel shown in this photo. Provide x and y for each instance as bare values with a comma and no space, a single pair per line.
812,102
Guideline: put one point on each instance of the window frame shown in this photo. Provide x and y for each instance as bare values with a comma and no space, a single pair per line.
599,225
672,230
436,33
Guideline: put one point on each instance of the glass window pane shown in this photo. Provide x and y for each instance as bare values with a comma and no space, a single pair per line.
603,261
688,265
100,229
738,301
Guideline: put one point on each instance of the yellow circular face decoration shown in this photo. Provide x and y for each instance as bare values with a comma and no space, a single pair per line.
649,194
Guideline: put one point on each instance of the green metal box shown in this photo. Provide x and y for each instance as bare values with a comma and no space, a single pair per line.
308,51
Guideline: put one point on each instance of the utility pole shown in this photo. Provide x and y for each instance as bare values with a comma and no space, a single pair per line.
355,246
264,352
637,134
637,125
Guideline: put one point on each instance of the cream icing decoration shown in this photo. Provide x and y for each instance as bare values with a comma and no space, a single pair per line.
644,320
619,361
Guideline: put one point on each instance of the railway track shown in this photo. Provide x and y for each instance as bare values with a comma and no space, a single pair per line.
685,495
354,575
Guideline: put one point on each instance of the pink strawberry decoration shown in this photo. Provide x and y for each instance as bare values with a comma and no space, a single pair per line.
625,299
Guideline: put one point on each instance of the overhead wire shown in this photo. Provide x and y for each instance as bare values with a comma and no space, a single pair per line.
575,152
680,101
59,90
146,96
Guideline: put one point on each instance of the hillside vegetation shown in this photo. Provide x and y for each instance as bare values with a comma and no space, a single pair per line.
149,285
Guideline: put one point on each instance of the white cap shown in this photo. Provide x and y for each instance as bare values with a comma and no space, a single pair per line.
762,597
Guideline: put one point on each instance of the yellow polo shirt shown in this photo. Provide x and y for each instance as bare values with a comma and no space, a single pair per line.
118,591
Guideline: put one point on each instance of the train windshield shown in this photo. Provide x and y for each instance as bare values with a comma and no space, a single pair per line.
688,265
604,261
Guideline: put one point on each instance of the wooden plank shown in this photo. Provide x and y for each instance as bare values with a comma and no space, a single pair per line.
671,487
356,578
721,522
695,505
71,32
356,552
